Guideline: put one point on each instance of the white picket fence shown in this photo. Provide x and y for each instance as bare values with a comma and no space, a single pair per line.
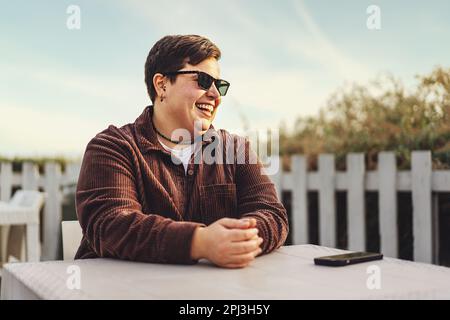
421,181
54,183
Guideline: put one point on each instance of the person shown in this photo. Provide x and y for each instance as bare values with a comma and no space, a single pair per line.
141,194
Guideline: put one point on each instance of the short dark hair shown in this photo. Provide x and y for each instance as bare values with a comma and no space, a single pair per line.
171,53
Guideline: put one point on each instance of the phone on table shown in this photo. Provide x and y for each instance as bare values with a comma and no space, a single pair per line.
347,258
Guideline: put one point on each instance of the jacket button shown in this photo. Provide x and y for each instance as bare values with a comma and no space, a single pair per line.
190,172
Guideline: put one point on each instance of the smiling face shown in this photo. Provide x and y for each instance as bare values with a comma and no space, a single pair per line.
185,102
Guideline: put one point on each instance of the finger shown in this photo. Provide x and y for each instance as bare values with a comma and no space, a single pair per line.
231,223
242,235
248,222
252,222
243,258
256,237
256,252
242,247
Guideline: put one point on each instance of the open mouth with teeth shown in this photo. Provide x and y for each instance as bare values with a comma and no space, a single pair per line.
205,109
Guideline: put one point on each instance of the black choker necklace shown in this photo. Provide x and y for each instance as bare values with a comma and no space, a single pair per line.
168,139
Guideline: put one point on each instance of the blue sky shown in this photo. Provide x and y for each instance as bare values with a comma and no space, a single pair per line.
59,87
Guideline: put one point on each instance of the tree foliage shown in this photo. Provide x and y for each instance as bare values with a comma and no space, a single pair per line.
381,116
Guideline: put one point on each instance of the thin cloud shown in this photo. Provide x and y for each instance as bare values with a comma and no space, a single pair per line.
322,49
113,89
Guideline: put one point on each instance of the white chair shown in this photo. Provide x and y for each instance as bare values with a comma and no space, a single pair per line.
71,235
24,208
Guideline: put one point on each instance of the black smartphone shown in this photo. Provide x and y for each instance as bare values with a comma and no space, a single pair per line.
347,258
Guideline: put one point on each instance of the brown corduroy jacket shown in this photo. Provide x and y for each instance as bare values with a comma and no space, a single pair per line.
133,202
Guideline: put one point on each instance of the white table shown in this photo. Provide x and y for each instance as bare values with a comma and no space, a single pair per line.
288,273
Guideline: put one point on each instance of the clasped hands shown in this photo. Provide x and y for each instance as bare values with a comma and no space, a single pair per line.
228,243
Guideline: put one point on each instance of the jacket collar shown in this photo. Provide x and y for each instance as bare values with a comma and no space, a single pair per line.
147,136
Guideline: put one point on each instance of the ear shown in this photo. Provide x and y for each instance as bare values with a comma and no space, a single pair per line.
159,82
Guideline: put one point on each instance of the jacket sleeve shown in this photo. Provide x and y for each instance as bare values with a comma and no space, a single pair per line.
257,198
111,215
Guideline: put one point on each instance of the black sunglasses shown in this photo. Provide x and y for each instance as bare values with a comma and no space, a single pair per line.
204,80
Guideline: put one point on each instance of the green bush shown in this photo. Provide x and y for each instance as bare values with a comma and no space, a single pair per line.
382,116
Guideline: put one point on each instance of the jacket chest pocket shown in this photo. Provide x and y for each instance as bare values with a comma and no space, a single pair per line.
218,201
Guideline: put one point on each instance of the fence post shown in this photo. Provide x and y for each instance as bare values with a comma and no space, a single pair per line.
435,228
356,203
72,172
6,181
274,171
6,184
299,200
52,212
327,204
30,176
422,213
387,202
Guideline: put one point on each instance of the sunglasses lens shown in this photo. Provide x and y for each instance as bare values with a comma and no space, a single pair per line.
222,87
205,80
